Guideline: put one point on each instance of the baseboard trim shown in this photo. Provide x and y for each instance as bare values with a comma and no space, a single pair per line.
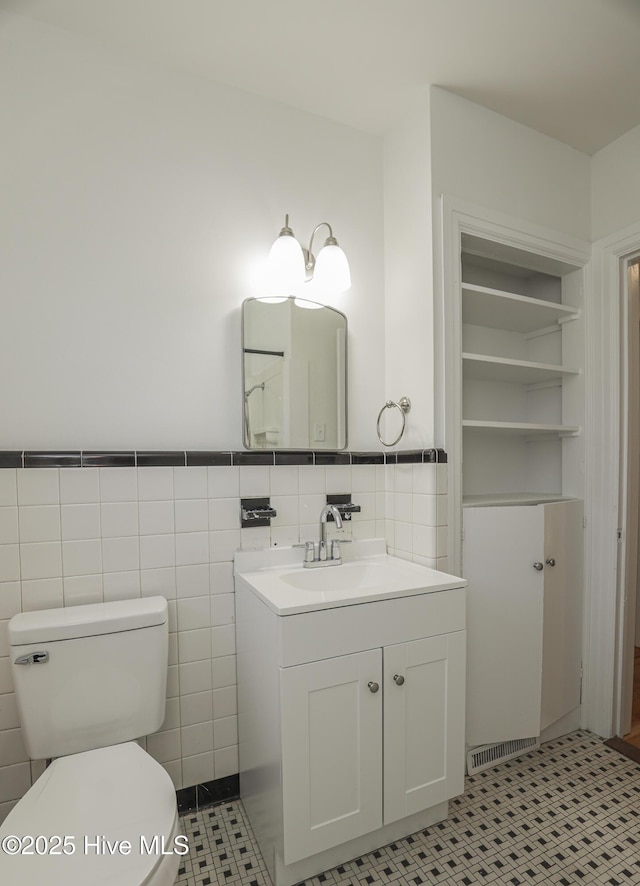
209,793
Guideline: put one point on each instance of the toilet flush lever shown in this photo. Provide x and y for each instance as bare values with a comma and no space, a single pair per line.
33,658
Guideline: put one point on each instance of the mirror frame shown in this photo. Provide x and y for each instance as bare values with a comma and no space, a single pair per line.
346,379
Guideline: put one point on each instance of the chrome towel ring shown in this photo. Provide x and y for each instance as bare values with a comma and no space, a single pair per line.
404,405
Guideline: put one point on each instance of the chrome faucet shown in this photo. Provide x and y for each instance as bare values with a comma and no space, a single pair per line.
324,556
324,513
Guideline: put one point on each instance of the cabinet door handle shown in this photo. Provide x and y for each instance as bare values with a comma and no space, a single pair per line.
538,566
373,687
550,562
398,679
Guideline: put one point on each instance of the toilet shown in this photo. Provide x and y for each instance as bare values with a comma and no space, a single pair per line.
89,680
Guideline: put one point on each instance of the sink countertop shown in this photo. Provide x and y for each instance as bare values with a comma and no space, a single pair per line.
366,574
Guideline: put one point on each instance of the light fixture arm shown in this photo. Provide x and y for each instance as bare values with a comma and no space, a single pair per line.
290,264
286,230
309,257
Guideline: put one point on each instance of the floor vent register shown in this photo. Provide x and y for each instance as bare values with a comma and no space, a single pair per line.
489,755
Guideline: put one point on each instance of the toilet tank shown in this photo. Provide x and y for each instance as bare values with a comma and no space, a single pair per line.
89,676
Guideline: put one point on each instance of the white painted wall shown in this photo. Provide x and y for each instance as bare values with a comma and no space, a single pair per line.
495,163
451,146
615,184
138,204
490,160
409,279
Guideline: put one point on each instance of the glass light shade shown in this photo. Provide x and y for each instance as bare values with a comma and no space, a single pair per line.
331,272
285,265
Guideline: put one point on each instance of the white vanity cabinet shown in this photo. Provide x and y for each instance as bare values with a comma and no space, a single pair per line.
351,724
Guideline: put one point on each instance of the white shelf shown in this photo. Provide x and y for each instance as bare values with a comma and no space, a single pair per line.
504,499
482,306
518,429
480,366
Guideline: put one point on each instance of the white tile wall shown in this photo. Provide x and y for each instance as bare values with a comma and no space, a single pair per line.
415,508
82,535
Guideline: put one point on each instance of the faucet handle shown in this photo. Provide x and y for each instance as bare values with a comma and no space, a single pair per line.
309,550
335,549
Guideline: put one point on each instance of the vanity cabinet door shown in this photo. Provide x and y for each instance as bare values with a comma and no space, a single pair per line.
423,723
331,752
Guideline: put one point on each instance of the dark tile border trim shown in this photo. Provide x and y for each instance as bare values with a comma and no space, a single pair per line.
367,458
294,458
187,799
52,459
415,456
254,458
332,458
209,459
195,458
218,791
202,795
161,459
108,459
10,459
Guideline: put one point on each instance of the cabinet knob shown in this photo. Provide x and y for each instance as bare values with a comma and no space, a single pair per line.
398,679
550,562
538,566
373,687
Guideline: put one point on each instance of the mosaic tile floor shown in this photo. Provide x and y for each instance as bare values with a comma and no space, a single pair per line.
567,813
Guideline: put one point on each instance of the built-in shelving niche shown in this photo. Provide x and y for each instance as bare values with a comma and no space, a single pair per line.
522,380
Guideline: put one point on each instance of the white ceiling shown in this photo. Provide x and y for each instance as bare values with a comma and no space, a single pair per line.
568,68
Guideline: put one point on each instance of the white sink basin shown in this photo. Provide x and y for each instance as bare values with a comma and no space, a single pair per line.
288,588
357,575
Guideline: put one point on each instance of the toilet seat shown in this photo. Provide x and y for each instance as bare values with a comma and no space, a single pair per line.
118,794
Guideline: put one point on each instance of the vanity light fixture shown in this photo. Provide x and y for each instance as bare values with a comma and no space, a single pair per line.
290,264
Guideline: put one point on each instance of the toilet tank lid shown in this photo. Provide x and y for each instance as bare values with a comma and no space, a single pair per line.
89,620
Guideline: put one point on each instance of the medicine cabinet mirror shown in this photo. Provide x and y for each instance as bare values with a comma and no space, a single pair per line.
294,375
